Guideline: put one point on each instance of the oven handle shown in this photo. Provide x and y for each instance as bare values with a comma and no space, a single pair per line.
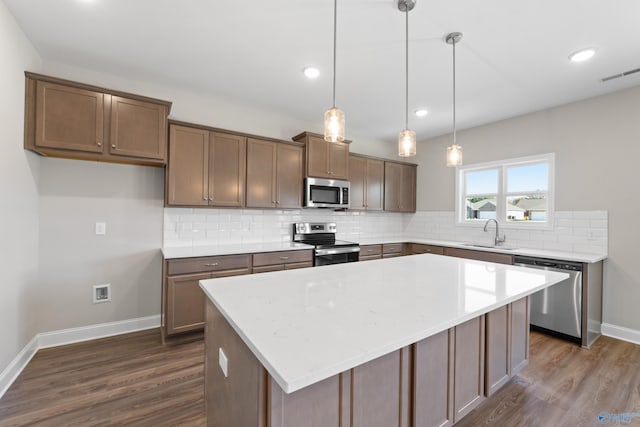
321,252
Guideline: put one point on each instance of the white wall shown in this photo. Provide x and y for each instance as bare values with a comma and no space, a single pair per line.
19,195
597,146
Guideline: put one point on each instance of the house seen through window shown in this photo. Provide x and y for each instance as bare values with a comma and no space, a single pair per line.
516,191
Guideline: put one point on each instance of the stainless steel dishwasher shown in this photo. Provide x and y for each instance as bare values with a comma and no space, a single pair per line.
557,309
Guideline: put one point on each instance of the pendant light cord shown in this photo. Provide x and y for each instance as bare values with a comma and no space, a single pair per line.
335,24
406,80
454,91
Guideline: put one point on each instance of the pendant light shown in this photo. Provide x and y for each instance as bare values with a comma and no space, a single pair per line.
407,138
454,152
334,117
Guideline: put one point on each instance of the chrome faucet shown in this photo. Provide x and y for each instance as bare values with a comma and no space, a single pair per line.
498,240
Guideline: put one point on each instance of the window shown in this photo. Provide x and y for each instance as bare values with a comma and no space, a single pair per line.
515,192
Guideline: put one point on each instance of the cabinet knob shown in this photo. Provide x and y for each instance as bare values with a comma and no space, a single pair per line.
113,145
99,144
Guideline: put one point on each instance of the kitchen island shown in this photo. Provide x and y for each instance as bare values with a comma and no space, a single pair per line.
402,341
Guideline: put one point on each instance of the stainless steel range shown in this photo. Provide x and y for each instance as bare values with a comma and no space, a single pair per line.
328,250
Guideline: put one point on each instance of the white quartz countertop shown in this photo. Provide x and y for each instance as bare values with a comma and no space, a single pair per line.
507,249
310,324
231,249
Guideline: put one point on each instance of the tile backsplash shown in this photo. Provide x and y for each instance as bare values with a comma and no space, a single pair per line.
580,231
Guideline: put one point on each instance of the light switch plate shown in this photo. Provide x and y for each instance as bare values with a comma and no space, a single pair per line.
223,362
101,228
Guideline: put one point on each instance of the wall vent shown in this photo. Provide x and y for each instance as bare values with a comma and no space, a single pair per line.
101,293
617,76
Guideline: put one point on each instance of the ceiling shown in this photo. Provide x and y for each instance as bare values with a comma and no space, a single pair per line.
513,57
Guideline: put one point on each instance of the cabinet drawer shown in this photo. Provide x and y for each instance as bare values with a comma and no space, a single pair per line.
368,250
417,248
283,257
392,248
216,263
480,255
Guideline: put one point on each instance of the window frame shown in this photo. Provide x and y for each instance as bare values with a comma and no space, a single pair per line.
502,193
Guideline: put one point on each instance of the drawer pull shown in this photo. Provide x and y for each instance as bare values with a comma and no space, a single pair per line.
369,250
284,257
213,264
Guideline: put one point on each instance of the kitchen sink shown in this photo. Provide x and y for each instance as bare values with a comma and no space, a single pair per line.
477,245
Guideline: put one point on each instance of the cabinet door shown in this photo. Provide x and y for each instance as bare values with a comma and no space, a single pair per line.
498,355
407,189
69,118
188,168
338,160
374,185
138,129
261,174
317,157
519,335
227,163
185,303
392,179
433,388
289,176
468,389
357,194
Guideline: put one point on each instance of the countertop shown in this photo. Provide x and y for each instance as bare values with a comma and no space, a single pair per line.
310,324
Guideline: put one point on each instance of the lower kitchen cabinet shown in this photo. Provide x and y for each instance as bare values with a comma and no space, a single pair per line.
369,252
284,260
390,250
183,300
496,257
419,248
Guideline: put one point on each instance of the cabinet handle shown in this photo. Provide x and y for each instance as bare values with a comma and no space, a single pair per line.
205,198
369,250
99,144
284,257
213,264
113,145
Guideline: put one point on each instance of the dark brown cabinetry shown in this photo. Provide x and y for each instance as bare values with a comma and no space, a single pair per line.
325,159
285,260
183,300
367,183
73,120
479,255
205,168
419,248
274,174
399,187
390,250
369,252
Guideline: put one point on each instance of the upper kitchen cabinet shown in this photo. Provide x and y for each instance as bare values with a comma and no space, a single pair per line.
399,187
274,174
367,183
77,121
325,159
205,168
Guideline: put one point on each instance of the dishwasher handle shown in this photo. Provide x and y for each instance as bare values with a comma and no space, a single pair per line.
547,263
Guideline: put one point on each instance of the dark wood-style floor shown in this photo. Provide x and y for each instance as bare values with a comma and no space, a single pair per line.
134,380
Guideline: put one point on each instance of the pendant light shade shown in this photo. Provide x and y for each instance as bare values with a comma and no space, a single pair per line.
407,143
407,138
334,117
454,151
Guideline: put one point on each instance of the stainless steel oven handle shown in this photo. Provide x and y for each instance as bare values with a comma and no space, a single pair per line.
321,252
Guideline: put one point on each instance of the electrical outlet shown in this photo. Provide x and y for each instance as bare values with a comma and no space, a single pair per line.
101,228
223,362
101,293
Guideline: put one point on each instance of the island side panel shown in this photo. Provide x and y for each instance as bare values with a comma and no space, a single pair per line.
519,335
240,398
433,381
468,389
498,355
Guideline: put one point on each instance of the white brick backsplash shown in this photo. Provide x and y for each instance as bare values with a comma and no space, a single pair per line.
583,231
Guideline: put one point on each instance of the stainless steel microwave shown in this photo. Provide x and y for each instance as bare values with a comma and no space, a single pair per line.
326,193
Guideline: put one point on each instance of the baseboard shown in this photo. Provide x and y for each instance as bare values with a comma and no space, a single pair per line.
92,332
11,372
621,333
70,336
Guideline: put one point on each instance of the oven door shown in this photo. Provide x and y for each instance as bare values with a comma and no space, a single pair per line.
336,255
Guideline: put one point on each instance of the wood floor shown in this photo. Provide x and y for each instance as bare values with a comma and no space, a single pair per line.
134,380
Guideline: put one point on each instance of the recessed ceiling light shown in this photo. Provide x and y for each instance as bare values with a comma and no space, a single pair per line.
311,72
582,55
421,112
